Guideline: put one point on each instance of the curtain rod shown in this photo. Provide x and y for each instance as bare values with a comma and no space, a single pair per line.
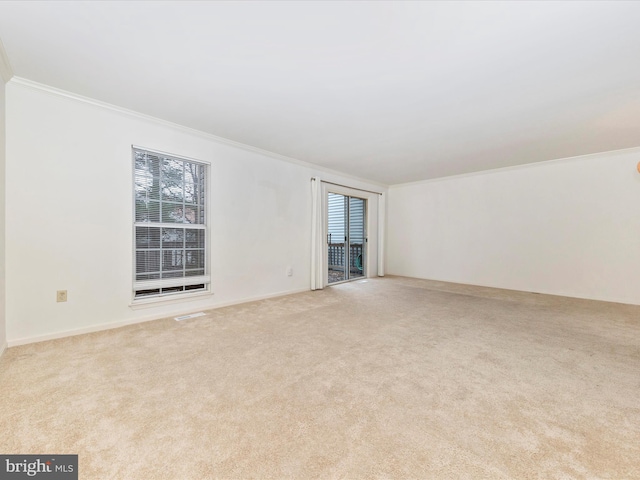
347,186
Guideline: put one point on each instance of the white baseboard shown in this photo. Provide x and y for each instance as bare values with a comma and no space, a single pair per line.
123,323
3,347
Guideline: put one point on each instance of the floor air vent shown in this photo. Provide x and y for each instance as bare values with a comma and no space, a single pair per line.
191,315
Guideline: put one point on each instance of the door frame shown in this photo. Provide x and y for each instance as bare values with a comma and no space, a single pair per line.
347,238
370,225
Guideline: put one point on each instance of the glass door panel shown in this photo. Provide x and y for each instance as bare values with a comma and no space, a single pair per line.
356,237
336,237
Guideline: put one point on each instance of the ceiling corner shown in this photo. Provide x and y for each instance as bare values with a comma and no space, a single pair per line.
6,72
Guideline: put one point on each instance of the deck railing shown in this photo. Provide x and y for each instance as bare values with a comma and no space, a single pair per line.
336,257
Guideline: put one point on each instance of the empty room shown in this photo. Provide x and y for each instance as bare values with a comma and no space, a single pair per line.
308,239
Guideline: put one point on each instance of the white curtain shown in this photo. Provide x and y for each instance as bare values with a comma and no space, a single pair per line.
317,244
381,232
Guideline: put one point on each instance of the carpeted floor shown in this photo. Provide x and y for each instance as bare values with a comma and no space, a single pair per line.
382,378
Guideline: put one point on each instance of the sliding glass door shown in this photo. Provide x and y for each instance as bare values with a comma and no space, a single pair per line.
346,237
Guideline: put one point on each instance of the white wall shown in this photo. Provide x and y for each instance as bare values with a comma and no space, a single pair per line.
567,227
3,327
69,215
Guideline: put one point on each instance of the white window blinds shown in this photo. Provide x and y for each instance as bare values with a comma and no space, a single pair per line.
170,230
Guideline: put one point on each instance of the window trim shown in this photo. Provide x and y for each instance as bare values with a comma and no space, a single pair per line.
150,302
152,284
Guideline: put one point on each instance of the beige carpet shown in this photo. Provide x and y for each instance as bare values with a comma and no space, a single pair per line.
384,378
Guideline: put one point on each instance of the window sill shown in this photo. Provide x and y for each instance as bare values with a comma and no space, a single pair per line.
167,300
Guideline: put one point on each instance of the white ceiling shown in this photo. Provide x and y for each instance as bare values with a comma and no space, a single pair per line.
389,91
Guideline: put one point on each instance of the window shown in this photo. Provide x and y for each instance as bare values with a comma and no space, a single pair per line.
170,227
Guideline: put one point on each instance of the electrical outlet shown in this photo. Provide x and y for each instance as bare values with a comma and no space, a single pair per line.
289,271
61,296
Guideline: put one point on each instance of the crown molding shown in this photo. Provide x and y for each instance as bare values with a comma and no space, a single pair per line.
192,131
6,72
542,163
